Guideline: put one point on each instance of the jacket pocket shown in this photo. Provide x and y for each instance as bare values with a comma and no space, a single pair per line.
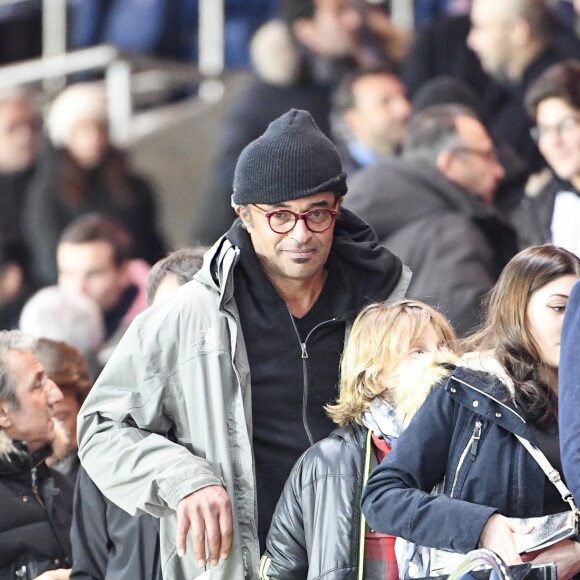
468,449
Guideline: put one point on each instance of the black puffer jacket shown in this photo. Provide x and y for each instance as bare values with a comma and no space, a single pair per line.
35,513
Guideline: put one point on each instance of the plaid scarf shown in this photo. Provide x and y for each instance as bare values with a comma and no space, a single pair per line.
380,561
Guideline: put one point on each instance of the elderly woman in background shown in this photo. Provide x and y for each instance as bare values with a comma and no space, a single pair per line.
83,172
65,366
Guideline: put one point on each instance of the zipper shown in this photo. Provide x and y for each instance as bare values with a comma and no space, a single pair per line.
304,356
470,448
36,488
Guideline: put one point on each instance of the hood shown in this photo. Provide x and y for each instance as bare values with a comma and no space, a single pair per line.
396,192
487,363
357,255
413,385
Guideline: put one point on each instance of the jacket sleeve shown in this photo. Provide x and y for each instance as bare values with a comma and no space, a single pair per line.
285,556
569,393
127,426
89,535
396,499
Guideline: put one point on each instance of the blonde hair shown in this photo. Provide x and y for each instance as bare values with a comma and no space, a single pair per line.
380,338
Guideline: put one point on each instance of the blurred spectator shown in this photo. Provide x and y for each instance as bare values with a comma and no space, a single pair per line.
19,140
101,528
550,211
433,209
67,368
15,288
370,115
439,49
447,90
173,271
36,500
70,317
93,257
85,173
519,35
296,64
511,40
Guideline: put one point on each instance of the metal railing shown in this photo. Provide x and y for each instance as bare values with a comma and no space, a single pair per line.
127,77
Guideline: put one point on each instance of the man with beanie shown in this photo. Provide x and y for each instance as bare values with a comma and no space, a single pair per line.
211,396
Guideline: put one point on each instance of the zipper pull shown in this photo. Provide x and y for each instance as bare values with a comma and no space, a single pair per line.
304,353
475,438
36,487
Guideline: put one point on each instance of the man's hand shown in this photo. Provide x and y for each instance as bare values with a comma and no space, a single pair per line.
497,536
565,554
60,574
209,514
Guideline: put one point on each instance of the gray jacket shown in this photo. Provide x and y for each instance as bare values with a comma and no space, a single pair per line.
178,433
171,414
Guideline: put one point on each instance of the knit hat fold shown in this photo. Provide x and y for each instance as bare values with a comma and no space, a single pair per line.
291,160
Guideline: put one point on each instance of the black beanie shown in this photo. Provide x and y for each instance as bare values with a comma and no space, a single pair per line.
291,160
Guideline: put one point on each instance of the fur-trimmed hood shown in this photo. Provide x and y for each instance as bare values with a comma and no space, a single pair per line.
11,450
486,362
413,385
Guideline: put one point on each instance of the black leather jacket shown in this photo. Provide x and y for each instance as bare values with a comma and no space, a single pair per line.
305,542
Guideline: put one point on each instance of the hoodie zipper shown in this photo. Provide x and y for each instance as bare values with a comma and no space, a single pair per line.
470,448
305,384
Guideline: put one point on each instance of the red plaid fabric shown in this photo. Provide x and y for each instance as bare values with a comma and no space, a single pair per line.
380,561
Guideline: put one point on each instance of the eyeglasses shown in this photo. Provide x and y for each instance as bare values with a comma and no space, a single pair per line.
282,221
490,156
560,129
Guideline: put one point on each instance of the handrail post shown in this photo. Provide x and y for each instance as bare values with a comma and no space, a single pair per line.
119,99
211,48
53,38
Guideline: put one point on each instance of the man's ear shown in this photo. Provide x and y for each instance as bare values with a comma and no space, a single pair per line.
444,163
244,214
5,417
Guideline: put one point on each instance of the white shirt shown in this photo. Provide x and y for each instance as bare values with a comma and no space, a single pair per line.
566,221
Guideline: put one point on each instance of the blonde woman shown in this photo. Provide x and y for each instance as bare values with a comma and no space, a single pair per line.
316,529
